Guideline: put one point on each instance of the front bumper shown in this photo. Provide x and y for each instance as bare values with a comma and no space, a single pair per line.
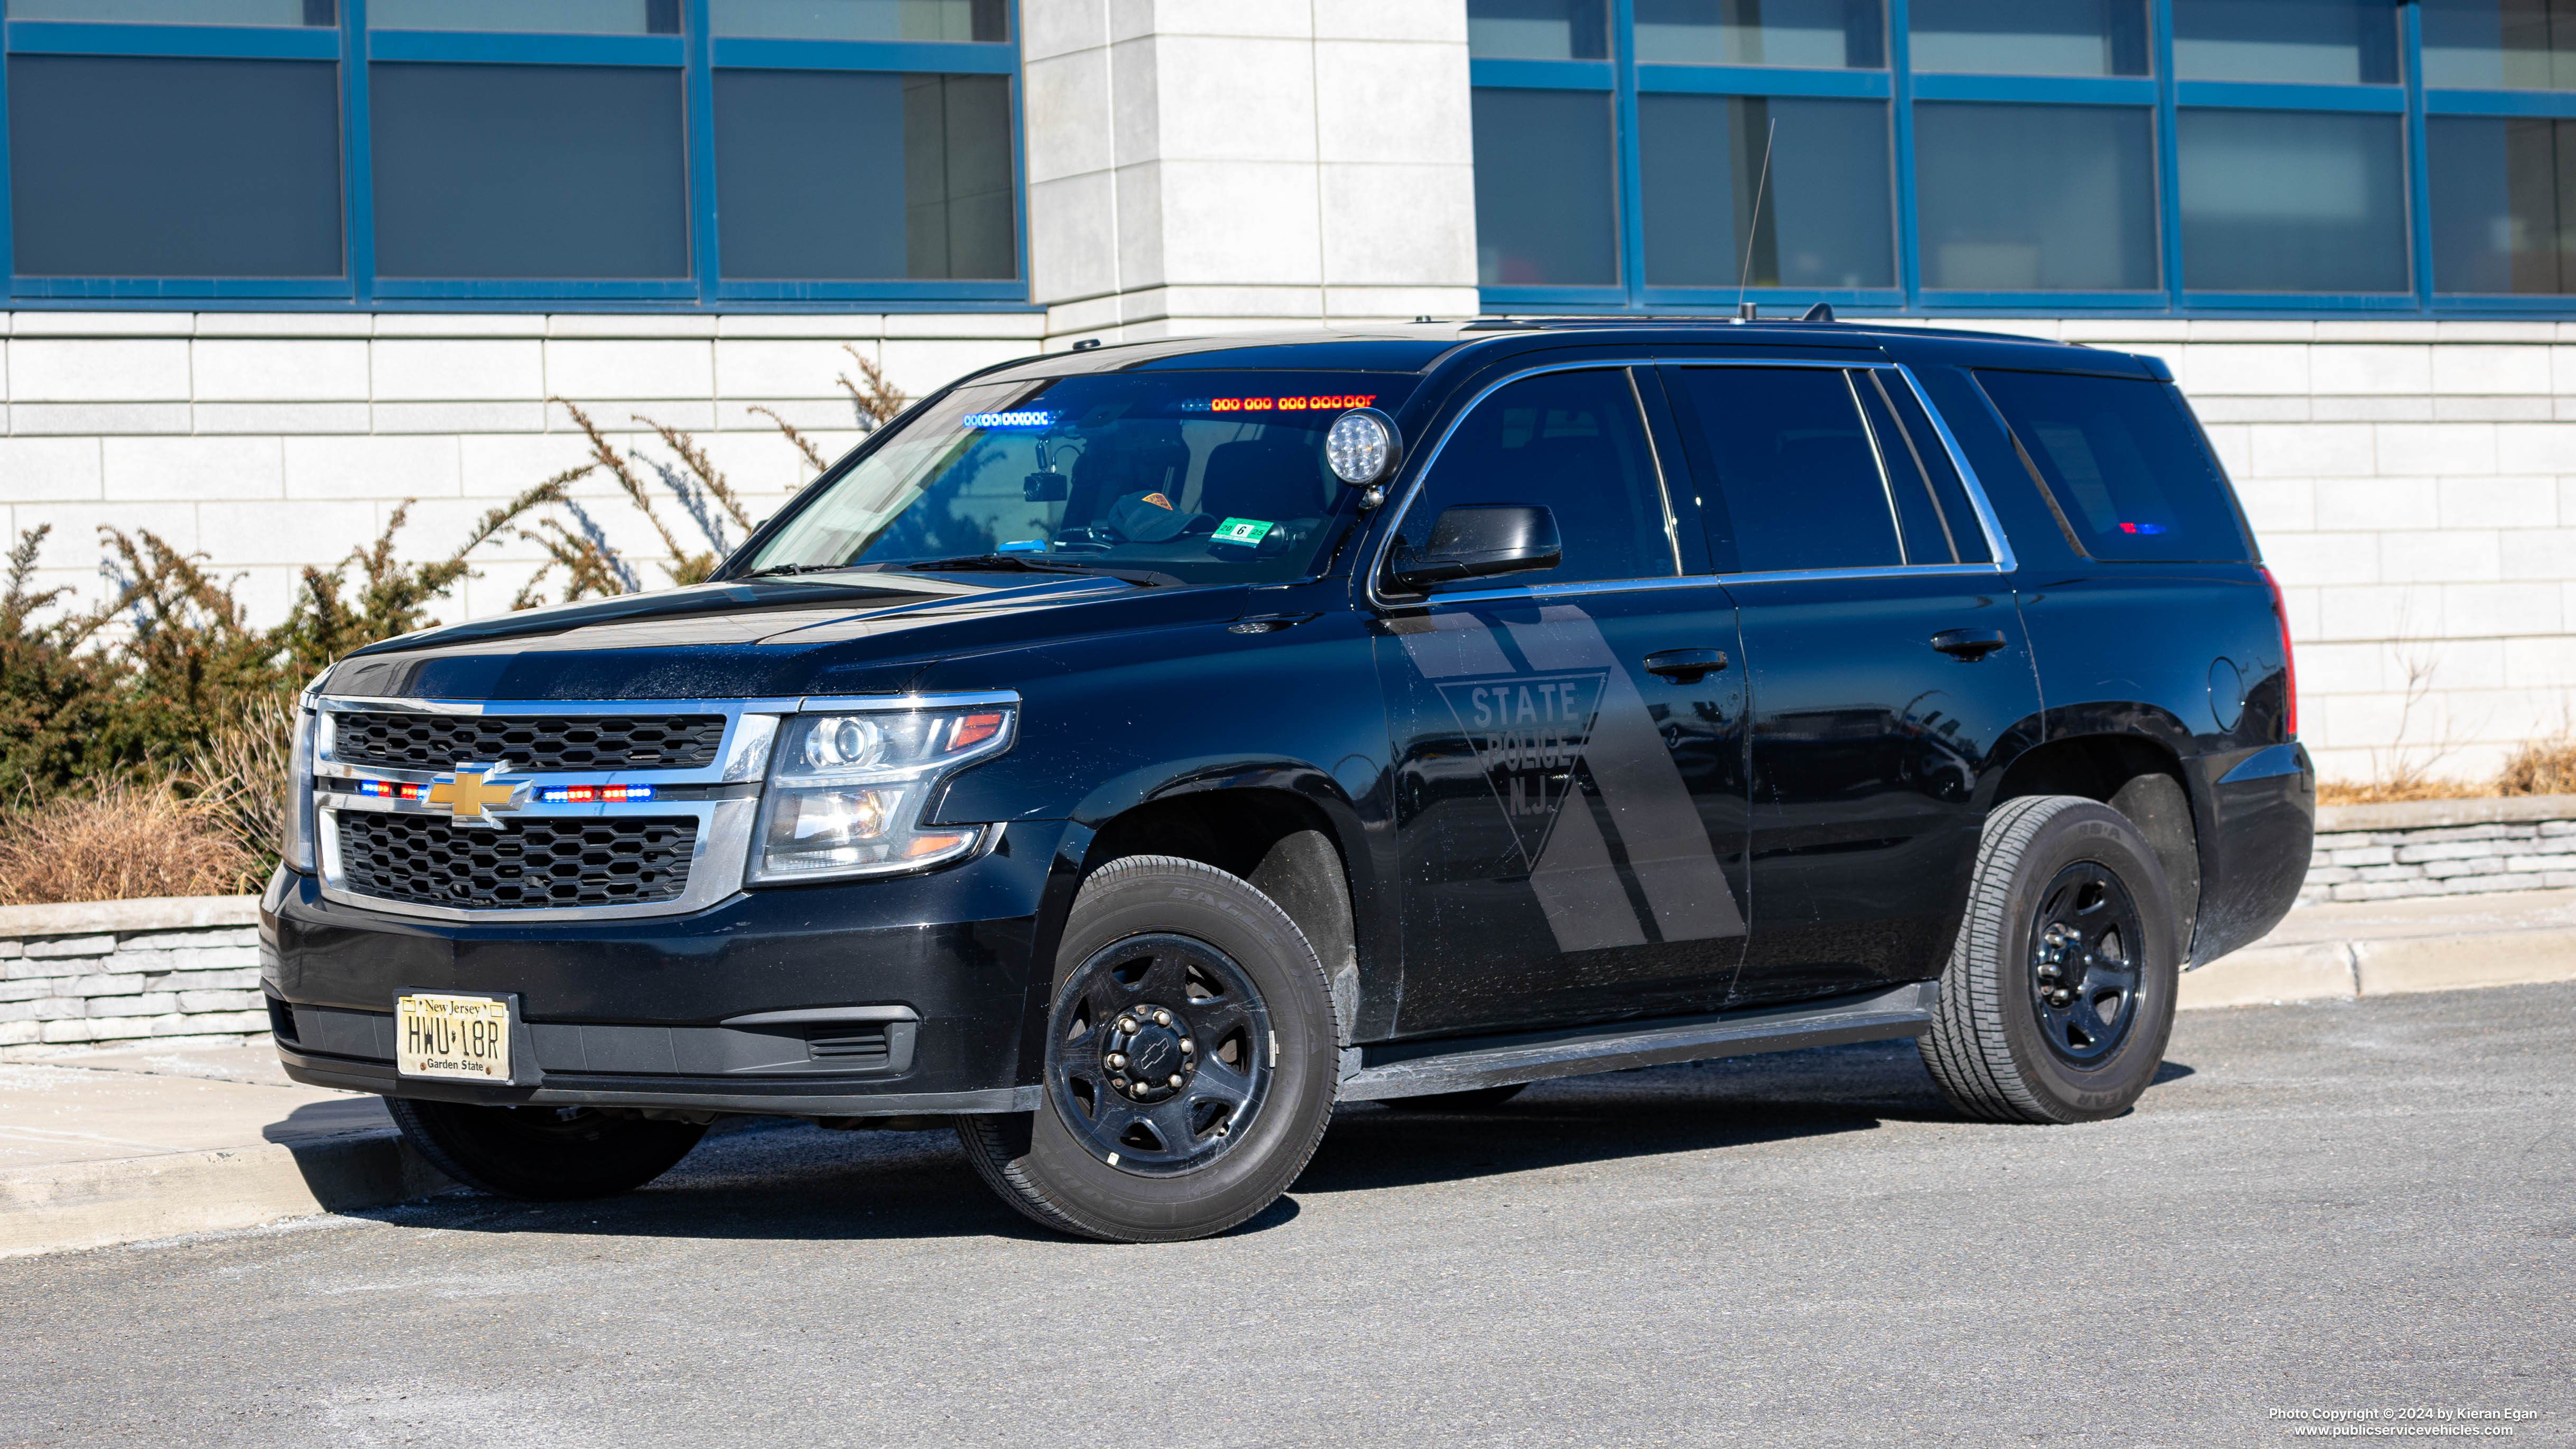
647,1012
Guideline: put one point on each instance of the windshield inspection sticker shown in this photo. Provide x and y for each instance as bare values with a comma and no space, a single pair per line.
1243,530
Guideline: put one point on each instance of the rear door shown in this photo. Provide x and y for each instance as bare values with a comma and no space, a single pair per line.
1888,668
1571,821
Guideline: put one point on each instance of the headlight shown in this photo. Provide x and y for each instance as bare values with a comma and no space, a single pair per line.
298,832
847,790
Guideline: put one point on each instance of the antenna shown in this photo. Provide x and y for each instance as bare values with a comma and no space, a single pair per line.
1745,276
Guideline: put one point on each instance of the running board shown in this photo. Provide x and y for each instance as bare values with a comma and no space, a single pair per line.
1413,1069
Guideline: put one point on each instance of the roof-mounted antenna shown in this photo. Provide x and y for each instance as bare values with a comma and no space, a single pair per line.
1745,311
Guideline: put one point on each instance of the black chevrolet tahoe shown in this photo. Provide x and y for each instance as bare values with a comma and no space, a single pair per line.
1129,754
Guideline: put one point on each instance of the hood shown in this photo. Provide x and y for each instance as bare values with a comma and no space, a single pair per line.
762,638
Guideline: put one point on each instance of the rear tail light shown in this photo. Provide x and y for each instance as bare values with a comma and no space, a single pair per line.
2289,665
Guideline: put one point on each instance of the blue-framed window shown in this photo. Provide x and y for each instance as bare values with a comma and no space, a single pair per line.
2207,157
511,153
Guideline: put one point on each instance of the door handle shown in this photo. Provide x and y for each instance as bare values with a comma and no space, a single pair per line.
1686,666
1968,645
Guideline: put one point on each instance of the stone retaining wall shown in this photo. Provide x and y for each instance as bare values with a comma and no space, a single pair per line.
104,971
2442,848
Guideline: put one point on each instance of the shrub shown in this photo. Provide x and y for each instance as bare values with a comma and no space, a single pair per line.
129,839
2542,767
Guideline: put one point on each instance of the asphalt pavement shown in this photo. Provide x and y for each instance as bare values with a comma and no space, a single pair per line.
2356,1207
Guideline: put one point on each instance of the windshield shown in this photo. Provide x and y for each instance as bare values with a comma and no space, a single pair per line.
1206,477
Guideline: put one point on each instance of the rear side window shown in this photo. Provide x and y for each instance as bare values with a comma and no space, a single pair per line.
1811,471
2123,464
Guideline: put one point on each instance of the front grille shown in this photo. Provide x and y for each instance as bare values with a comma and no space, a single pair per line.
529,742
525,865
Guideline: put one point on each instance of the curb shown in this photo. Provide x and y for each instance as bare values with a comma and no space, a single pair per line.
98,1204
2350,970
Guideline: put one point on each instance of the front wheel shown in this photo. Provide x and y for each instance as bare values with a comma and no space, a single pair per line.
1191,1061
2059,995
542,1154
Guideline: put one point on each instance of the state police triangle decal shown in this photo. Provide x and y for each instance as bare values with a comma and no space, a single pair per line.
1528,732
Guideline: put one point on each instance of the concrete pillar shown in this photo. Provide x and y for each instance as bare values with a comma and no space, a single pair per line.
1222,165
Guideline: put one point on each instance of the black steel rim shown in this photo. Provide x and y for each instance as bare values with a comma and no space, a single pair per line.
1158,1057
2084,949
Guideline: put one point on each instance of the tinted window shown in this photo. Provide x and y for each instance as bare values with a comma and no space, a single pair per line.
2328,41
1572,442
2036,198
1538,29
2504,202
1543,193
2292,201
1825,218
529,171
2031,37
2485,45
1925,530
2124,463
144,167
860,174
1922,446
1835,34
1798,485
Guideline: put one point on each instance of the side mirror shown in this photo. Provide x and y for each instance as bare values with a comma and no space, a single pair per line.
1480,541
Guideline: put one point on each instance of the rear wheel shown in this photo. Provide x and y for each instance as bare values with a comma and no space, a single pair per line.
542,1154
2059,995
1191,1061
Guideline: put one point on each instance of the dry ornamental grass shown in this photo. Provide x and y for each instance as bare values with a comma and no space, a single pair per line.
125,842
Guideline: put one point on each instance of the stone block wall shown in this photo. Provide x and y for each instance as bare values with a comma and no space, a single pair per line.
2442,848
110,971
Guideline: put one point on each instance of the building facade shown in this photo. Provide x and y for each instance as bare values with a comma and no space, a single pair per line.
277,267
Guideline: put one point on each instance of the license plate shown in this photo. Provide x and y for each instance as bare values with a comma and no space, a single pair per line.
452,1036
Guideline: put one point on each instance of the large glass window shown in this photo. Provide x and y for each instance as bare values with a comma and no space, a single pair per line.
859,174
1825,218
2035,198
862,19
2504,203
180,12
1570,442
1825,34
562,17
2292,201
1545,206
520,153
504,171
2313,41
1539,29
148,166
2031,37
2500,44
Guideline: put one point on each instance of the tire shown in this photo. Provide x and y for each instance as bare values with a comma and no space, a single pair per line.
1474,1099
542,1154
1151,934
2059,996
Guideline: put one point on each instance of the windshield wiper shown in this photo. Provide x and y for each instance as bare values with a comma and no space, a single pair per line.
1023,563
776,569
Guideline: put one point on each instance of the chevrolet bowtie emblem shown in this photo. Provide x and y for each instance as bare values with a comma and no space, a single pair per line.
474,792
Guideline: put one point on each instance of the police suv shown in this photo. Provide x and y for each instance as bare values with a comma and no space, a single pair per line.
1130,754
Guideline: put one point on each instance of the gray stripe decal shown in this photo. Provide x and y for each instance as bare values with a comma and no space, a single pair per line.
1579,888
1454,645
1667,843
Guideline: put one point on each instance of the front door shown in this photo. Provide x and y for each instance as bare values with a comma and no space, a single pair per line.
1571,821
1889,672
